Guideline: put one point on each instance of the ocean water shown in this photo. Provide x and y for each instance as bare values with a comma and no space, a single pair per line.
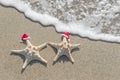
94,19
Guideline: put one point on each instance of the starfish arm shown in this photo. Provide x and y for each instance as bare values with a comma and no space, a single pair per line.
19,51
70,57
53,44
41,59
60,44
25,63
42,46
57,56
28,43
72,46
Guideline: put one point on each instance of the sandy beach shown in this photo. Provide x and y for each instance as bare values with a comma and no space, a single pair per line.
96,60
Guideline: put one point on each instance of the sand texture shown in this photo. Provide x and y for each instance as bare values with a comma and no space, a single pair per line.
96,60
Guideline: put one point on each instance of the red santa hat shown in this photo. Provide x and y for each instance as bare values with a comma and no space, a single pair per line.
66,34
25,37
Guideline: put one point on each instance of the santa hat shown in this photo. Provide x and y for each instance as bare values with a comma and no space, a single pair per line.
25,37
66,34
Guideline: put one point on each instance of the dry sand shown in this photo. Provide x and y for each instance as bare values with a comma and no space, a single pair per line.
96,60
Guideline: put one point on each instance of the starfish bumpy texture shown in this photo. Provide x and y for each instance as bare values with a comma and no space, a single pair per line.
64,48
31,53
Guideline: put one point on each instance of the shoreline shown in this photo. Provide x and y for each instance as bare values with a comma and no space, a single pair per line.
96,60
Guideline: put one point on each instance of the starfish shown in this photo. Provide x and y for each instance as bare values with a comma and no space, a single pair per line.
30,53
64,48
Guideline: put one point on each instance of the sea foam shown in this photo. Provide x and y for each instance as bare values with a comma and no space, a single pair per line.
97,20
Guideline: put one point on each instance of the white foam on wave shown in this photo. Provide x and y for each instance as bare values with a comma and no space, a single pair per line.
82,28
